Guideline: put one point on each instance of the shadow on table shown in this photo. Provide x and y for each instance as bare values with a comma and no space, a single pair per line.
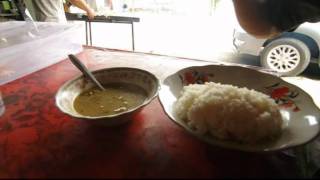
253,165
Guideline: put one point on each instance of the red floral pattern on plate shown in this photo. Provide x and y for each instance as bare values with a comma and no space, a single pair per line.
283,96
195,77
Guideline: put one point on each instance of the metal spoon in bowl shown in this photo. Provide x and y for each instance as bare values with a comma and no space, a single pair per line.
85,70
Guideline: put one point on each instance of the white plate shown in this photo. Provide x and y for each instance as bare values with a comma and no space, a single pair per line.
301,116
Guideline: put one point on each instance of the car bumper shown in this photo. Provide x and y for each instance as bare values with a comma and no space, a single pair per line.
247,44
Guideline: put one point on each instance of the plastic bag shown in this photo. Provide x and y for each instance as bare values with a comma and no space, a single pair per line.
27,47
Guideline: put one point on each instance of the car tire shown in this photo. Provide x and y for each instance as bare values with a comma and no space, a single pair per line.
287,56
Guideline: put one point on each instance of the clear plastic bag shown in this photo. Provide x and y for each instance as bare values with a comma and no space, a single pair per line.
27,46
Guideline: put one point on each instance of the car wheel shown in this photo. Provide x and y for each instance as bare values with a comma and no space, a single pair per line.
287,56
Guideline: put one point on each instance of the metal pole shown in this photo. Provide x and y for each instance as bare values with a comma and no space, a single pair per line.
86,33
132,35
90,33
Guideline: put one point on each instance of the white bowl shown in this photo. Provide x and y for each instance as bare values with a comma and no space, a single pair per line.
301,116
71,89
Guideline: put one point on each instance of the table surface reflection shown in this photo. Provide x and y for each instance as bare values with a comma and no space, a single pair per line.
39,141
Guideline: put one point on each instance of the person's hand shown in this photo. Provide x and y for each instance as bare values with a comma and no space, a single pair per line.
91,14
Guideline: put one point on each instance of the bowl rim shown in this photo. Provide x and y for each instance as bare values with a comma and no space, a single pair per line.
81,76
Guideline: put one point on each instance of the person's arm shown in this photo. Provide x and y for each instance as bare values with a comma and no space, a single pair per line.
84,6
110,3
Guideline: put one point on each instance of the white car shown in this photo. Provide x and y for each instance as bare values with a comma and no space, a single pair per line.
289,54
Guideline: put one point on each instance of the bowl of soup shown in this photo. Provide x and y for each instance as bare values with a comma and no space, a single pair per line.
127,91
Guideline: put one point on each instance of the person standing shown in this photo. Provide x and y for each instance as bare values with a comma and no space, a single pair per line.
53,10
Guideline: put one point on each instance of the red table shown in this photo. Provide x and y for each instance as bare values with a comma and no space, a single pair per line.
38,141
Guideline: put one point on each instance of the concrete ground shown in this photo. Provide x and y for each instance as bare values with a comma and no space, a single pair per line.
196,36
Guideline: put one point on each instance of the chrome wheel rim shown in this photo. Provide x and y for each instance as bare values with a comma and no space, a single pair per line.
283,58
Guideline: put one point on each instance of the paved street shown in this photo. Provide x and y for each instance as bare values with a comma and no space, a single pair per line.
196,36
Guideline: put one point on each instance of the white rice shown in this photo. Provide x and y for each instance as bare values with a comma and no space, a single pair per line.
229,112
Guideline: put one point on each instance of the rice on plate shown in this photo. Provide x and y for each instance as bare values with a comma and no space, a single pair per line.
228,112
